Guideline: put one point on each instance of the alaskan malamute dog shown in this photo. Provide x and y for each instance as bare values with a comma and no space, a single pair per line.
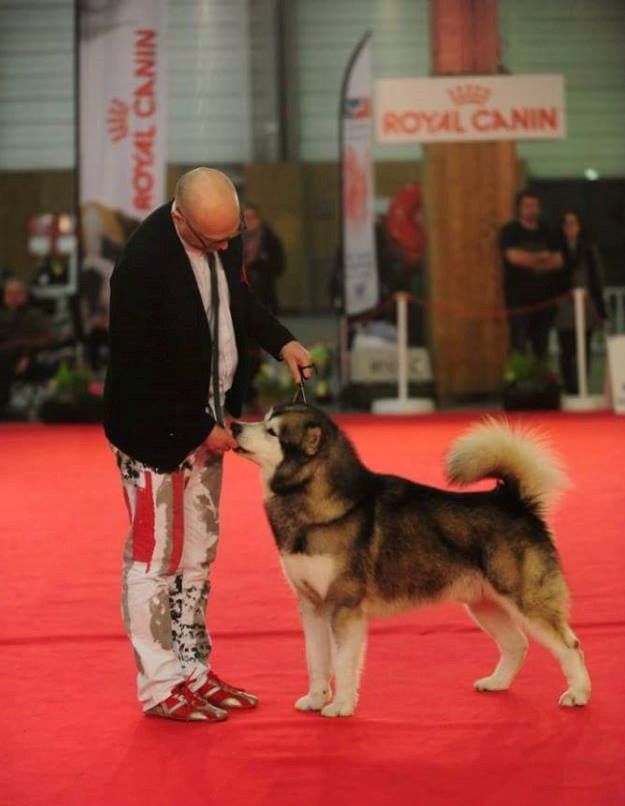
355,544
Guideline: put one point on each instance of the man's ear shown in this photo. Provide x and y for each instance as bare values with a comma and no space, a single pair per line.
312,440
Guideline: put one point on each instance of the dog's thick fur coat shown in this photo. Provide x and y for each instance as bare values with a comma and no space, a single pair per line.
356,544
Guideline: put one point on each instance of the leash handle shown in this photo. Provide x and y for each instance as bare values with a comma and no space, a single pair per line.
300,390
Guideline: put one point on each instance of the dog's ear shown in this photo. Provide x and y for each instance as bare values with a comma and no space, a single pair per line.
312,439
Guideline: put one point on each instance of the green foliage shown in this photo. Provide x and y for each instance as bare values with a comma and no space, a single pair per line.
71,383
527,370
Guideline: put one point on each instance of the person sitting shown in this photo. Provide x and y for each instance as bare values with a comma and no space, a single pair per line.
24,331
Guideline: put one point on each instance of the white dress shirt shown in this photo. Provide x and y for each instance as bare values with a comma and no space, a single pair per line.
228,354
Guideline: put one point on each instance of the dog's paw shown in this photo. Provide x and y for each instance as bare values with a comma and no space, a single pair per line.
312,701
574,696
491,683
337,708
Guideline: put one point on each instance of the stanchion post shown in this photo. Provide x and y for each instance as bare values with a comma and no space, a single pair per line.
582,401
402,404
401,303
579,295
344,372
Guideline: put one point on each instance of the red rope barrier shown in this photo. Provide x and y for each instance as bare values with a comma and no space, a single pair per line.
458,311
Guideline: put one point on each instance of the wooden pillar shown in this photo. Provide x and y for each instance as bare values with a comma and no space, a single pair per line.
468,196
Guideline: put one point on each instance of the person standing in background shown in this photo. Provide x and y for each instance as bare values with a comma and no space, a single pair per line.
263,261
531,257
582,269
263,258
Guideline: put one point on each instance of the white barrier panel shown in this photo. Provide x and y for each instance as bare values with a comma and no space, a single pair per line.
379,364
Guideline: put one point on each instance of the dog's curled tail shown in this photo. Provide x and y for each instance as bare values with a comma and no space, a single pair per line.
517,455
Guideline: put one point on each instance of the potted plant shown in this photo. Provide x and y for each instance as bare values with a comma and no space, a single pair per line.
74,396
530,384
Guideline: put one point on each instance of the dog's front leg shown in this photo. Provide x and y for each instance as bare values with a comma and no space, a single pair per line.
318,656
349,629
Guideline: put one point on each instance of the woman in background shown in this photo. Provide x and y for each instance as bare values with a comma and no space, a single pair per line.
582,269
263,257
263,261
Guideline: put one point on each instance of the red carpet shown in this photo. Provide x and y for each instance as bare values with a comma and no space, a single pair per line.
71,730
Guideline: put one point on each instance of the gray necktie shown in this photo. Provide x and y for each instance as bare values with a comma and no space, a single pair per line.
212,265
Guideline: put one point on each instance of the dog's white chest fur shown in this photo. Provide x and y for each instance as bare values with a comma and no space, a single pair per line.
311,576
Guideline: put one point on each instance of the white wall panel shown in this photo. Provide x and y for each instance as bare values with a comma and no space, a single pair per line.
326,32
209,93
36,84
585,41
221,60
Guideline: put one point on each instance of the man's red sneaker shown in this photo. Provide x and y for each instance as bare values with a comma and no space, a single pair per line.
219,694
185,706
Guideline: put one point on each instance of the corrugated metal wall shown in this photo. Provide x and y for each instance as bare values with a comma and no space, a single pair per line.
209,82
325,34
584,40
221,57
36,84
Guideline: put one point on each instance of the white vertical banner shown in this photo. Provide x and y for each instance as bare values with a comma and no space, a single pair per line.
361,286
122,137
123,98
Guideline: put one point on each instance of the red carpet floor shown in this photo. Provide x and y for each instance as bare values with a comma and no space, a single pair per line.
72,732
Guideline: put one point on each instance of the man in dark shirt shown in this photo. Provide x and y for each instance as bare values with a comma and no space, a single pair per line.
531,259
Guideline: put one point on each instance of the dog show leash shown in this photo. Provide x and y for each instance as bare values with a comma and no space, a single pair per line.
300,390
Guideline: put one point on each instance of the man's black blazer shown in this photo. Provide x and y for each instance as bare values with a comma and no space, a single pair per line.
156,390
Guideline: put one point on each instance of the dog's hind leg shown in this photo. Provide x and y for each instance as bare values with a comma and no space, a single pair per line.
511,641
318,656
554,633
349,629
542,605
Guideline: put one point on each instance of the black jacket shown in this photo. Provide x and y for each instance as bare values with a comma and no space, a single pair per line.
156,391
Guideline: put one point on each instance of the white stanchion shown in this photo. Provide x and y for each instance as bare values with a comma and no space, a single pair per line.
402,404
344,351
582,401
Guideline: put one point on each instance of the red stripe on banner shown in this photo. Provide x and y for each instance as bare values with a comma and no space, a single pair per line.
177,521
143,539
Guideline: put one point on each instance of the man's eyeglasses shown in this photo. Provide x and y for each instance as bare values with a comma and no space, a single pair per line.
209,244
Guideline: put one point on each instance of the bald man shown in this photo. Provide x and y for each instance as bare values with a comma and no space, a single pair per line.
177,289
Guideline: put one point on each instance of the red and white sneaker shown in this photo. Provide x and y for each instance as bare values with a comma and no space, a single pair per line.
185,706
220,695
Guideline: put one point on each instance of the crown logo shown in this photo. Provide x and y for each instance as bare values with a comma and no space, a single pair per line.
117,120
469,94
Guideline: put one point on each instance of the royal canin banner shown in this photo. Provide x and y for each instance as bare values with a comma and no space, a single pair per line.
122,138
469,108
123,98
360,269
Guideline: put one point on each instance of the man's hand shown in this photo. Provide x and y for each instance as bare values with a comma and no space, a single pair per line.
220,440
298,360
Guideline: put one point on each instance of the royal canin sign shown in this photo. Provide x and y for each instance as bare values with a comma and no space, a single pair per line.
123,106
469,108
137,119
